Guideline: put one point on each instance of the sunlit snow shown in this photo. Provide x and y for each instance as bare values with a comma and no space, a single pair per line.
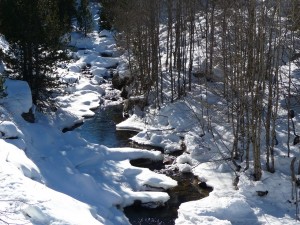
50,177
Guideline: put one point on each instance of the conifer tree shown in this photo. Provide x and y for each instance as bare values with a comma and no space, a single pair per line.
34,29
67,12
84,17
107,16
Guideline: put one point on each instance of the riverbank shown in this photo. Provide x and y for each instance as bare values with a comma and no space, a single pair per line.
235,198
101,129
58,168
50,177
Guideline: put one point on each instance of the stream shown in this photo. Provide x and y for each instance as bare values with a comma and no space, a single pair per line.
101,129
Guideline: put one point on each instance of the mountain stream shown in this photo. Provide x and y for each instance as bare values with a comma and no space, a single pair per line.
101,129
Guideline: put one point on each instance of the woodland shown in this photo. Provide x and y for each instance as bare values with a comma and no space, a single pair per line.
248,41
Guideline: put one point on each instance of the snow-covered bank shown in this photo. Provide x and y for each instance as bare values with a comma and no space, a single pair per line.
50,177
91,179
235,198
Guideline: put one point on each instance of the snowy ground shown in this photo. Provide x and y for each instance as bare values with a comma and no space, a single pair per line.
227,204
50,177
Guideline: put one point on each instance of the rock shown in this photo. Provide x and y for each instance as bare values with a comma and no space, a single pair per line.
29,116
235,182
168,160
204,186
118,82
106,54
124,92
262,193
296,140
114,66
66,129
130,103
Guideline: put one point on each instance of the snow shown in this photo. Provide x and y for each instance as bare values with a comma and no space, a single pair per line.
64,174
207,155
80,103
15,156
19,96
10,130
50,177
133,123
204,157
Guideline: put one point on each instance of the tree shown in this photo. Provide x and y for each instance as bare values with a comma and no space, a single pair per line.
106,14
66,13
84,17
27,26
2,87
246,39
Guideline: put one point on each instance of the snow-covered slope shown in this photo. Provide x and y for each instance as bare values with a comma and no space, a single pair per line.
50,177
234,199
62,179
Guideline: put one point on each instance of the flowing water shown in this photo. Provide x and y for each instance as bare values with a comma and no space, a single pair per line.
101,129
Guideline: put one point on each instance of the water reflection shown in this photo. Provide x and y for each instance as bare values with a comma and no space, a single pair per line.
187,190
101,128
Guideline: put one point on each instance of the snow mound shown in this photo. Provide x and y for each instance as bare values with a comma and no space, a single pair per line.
11,154
80,103
10,130
203,220
220,211
18,97
36,215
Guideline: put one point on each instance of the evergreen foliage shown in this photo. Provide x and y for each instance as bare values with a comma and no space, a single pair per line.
107,16
34,29
294,16
67,12
84,17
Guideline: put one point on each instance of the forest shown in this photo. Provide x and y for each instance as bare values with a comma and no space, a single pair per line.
241,44
37,33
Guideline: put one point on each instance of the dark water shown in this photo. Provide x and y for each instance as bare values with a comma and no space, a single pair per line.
186,190
101,129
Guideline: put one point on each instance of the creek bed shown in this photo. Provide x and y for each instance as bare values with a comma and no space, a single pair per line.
101,129
187,190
